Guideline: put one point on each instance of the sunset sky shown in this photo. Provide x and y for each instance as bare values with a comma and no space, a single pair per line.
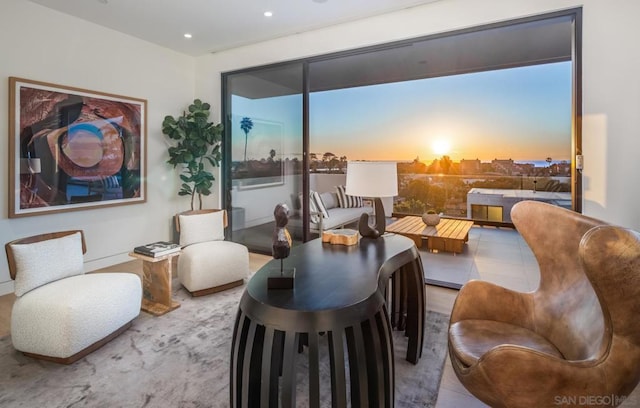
518,113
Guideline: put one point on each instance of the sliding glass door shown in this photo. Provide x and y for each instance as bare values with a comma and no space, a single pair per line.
477,120
264,149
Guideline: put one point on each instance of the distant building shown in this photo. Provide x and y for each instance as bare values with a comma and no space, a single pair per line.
503,166
470,166
523,169
495,204
561,169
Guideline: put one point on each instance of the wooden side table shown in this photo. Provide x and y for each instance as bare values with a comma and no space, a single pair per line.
156,283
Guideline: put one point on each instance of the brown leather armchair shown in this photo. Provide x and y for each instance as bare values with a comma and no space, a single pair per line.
575,341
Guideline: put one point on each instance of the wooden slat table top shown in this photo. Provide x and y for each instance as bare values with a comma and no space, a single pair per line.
447,228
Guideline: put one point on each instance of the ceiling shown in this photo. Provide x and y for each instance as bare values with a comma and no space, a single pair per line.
514,45
220,24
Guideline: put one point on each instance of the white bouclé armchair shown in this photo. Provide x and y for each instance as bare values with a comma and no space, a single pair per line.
60,313
207,263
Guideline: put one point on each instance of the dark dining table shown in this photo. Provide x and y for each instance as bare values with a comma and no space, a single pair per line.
354,295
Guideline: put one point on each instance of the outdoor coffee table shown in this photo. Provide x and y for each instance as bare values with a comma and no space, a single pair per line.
449,235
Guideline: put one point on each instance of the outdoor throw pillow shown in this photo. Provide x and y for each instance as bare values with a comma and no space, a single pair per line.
329,199
43,262
315,196
201,227
348,201
314,215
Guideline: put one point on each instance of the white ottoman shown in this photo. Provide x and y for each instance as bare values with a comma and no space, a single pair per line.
65,317
212,266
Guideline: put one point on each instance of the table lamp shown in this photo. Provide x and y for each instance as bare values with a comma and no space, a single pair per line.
373,179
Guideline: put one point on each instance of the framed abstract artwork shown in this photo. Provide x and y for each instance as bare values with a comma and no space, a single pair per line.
73,149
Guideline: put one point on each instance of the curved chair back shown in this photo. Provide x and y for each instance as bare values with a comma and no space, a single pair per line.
566,308
195,212
37,238
611,259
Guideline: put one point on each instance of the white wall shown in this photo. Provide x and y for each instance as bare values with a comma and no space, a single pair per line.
611,85
40,44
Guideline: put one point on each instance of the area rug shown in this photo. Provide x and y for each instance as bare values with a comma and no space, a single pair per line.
181,359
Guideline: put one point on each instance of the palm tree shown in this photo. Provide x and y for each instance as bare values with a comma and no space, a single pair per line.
246,124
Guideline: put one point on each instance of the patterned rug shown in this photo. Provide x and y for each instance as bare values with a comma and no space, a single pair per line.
181,359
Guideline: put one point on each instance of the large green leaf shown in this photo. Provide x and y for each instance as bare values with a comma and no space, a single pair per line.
197,143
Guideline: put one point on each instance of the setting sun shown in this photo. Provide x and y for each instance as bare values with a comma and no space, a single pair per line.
441,147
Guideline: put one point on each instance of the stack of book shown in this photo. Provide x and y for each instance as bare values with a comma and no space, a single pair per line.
156,249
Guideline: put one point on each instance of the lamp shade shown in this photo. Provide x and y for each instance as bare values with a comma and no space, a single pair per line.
372,179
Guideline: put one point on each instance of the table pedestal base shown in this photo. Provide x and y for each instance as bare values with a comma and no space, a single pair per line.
338,309
263,367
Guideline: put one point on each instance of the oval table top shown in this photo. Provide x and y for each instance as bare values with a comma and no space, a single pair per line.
335,285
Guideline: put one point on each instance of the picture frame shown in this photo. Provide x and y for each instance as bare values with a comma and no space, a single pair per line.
264,162
74,149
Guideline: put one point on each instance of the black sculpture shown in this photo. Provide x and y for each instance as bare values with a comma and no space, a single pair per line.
281,240
281,247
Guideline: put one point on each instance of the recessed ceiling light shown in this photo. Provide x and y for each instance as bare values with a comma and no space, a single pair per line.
187,35
268,13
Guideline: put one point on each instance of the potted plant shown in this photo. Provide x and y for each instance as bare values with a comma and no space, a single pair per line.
198,143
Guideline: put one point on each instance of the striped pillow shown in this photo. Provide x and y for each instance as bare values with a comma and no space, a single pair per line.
348,201
315,197
314,213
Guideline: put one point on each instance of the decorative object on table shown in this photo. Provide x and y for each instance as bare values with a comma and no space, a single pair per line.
342,236
431,218
157,249
63,139
281,246
207,263
61,314
373,179
199,142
